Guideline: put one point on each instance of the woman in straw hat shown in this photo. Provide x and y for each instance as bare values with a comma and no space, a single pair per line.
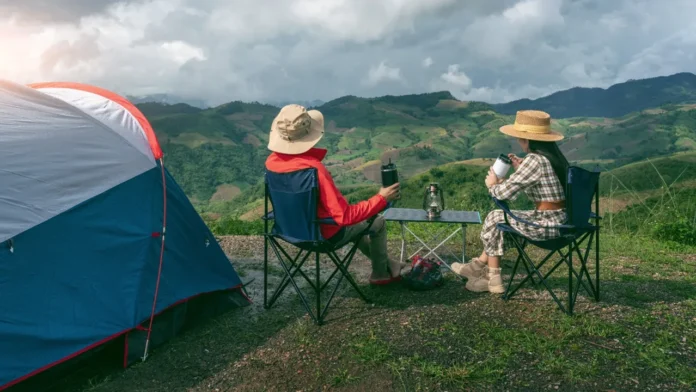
542,176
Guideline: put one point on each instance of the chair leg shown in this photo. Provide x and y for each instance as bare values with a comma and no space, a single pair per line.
534,270
294,284
347,261
295,267
265,271
512,277
583,268
349,278
543,281
570,279
597,262
524,246
317,291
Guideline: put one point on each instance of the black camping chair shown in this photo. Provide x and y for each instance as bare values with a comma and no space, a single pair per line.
582,187
294,197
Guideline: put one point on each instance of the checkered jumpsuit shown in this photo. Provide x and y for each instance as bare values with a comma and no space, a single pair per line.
536,178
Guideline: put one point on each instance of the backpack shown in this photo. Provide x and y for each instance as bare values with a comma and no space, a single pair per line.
425,274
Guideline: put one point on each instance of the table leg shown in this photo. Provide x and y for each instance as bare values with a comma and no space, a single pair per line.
432,250
432,240
403,241
437,235
463,242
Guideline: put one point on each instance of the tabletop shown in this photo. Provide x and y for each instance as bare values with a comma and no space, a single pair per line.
419,215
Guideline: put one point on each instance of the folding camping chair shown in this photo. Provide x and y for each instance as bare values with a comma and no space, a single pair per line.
294,197
582,187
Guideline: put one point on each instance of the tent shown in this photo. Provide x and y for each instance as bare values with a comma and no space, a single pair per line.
97,240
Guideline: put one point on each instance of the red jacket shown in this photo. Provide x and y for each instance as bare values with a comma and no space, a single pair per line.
332,204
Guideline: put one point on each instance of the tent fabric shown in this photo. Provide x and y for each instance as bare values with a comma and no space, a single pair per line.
85,209
108,112
67,295
105,105
54,156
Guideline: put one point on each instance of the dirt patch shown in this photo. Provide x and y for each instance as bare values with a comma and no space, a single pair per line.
226,192
243,116
614,204
354,163
332,128
252,139
392,154
373,171
451,104
211,215
474,162
483,113
654,111
194,140
388,109
253,214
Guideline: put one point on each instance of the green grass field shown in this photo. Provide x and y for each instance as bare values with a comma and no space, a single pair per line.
641,336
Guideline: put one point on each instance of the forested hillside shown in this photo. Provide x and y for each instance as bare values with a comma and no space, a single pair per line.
217,154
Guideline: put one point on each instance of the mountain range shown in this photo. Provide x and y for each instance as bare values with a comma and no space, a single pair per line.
167,99
216,154
615,101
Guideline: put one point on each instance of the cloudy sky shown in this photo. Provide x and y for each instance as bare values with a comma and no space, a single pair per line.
270,50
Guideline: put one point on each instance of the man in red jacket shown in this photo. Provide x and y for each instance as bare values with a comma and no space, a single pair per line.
294,133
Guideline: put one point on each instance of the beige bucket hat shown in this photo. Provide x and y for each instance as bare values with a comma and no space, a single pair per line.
295,130
532,125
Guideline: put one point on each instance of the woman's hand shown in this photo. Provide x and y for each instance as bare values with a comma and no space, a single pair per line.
516,161
492,179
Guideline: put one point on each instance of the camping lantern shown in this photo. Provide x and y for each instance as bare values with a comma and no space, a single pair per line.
433,200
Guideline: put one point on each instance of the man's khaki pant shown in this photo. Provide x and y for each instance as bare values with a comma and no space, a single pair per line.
373,245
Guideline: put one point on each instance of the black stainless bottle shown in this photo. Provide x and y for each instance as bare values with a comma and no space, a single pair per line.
390,176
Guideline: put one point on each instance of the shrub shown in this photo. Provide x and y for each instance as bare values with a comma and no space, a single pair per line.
680,230
233,226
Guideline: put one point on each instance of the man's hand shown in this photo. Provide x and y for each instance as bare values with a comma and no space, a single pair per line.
391,193
492,179
516,161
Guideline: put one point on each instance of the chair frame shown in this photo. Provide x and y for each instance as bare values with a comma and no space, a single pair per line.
292,265
572,237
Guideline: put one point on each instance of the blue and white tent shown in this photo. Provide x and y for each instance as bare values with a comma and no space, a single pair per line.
97,240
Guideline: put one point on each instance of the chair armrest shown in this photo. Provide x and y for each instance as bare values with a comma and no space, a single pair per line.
594,216
504,206
269,216
327,221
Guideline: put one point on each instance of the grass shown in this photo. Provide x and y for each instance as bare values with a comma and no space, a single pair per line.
640,336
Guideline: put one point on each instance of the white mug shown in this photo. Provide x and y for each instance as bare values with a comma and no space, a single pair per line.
502,166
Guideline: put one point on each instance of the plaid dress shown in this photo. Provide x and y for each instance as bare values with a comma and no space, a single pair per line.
536,178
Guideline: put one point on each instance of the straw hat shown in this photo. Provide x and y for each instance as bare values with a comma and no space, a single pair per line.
532,125
295,130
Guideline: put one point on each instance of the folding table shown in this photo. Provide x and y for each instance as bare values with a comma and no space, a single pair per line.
412,215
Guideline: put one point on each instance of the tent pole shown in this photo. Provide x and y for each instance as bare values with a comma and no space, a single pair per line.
159,271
